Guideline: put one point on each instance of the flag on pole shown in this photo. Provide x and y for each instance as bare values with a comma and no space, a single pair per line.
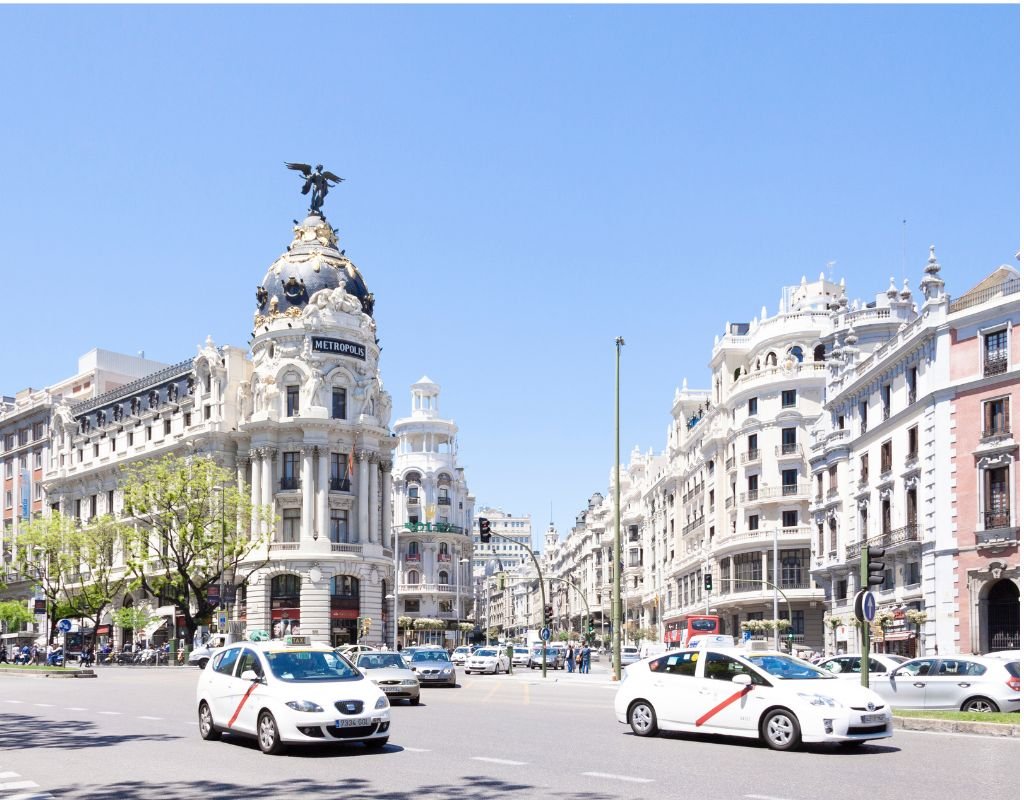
351,465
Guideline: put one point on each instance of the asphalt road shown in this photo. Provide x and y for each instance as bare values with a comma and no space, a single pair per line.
131,734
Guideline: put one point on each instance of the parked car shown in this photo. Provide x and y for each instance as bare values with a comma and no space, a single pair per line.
520,656
390,672
629,655
849,666
1009,655
780,699
432,666
460,654
289,692
555,658
964,683
488,659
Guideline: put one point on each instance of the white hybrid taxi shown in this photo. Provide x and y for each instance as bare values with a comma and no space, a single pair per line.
752,693
290,691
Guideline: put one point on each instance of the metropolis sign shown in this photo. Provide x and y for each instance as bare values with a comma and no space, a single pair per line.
339,347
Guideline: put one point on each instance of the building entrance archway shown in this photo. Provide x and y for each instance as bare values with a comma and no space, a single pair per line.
1003,615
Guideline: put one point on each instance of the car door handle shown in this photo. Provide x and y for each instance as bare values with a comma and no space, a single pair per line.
963,685
919,685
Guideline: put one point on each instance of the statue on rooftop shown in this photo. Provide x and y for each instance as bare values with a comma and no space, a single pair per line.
318,181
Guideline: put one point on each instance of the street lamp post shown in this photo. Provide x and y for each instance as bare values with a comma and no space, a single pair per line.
617,538
459,561
775,581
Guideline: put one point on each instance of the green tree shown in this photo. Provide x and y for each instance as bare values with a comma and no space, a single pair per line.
134,618
190,525
14,614
45,551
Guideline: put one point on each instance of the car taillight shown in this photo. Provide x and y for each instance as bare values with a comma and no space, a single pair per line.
1014,683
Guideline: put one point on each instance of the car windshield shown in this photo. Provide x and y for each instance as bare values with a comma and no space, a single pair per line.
430,655
310,665
485,653
789,669
381,661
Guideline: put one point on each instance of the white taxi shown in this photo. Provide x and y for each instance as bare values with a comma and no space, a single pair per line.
752,693
290,691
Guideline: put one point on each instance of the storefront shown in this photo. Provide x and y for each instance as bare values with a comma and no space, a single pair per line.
285,609
344,610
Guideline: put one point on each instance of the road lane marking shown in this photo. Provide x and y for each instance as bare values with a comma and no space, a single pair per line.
627,778
764,797
150,717
43,705
111,713
500,761
416,750
75,708
8,774
14,701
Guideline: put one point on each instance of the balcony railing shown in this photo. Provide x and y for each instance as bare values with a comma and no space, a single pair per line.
289,484
774,492
729,503
431,588
996,365
995,519
791,449
341,485
970,299
908,533
284,545
750,456
694,525
730,462
749,495
433,527
997,428
412,500
345,547
444,501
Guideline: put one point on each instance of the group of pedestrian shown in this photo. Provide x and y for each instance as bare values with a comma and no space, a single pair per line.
577,659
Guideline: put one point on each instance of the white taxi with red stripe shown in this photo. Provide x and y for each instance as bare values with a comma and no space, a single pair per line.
290,691
752,693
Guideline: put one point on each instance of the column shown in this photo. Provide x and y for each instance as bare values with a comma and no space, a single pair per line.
241,468
323,522
364,495
385,499
374,509
256,490
267,487
308,495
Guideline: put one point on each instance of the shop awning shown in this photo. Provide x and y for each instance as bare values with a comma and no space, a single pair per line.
895,636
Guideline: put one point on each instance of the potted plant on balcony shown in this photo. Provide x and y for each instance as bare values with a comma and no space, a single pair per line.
917,619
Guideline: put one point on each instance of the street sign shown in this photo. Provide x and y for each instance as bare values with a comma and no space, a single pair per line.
64,625
545,634
222,621
864,606
746,636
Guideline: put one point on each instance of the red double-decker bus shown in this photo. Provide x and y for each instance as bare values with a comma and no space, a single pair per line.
679,630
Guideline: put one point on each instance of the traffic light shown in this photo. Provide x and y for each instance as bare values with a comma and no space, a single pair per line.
501,581
549,615
364,626
707,582
590,629
485,530
874,566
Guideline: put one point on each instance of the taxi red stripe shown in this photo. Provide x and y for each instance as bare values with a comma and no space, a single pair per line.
725,703
245,697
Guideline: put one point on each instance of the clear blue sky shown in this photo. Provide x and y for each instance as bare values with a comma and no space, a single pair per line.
523,185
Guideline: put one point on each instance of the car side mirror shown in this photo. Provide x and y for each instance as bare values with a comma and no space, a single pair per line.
250,675
742,678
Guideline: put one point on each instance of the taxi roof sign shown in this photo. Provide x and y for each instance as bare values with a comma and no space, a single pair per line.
711,640
296,641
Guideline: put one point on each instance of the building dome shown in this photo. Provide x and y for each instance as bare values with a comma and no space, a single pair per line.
312,262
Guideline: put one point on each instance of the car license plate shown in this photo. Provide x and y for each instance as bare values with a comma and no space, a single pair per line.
391,689
351,723
872,718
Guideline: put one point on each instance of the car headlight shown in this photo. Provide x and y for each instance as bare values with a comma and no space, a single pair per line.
818,699
382,702
410,683
303,705
446,671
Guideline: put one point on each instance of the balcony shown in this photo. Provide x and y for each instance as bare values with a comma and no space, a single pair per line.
289,484
444,501
340,485
427,588
997,535
748,496
995,365
345,547
281,546
412,500
770,493
908,533
790,450
750,457
991,520
730,462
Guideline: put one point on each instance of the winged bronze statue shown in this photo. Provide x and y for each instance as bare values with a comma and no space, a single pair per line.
318,181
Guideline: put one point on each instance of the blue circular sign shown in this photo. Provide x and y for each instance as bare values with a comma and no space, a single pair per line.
64,625
869,606
545,634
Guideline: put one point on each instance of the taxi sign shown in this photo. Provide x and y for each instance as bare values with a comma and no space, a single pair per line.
711,640
296,641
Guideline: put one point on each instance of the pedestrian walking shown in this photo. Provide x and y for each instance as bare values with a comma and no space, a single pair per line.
569,658
585,660
3,654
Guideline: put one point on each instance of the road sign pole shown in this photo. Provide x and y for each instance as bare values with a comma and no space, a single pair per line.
865,625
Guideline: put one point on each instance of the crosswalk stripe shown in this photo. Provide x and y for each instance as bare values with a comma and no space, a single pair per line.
9,785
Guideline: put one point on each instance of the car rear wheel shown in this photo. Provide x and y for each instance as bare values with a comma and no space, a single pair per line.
642,718
980,704
267,734
780,729
207,729
414,701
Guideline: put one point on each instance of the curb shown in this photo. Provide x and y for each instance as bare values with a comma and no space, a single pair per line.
28,673
956,726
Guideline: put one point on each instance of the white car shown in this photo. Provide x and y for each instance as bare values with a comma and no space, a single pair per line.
958,683
460,654
739,692
487,659
629,655
849,666
390,672
290,691
521,657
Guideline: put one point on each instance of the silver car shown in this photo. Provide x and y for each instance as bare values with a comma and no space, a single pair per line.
964,683
390,672
849,666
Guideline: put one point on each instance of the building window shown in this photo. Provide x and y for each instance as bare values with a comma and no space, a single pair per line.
413,496
997,498
796,623
290,522
912,442
864,469
413,578
841,589
911,385
793,565
789,486
886,516
290,474
833,480
339,526
412,552
886,460
821,481
339,472
752,522
864,416
863,522
338,401
996,416
748,571
149,433
912,507
790,519
788,442
37,459
886,401
188,419
444,606
752,487
442,578
833,535
752,406
789,398
412,606
821,538
110,501
167,427
995,353
131,438
292,401
912,574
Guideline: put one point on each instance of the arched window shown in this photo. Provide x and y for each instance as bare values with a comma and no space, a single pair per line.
442,578
819,353
736,374
442,548
284,586
344,586
413,577
798,353
770,360
412,552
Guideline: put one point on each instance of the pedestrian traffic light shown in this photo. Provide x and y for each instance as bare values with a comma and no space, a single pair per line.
590,629
485,530
874,566
707,582
549,615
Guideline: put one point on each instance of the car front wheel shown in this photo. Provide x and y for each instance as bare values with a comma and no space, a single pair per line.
207,729
267,734
642,718
780,730
980,704
375,744
202,663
